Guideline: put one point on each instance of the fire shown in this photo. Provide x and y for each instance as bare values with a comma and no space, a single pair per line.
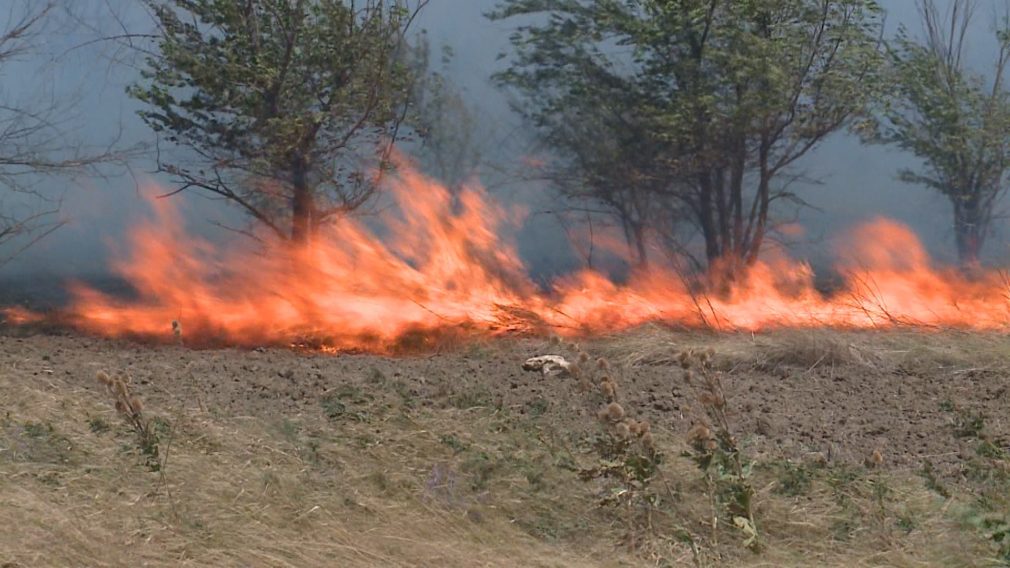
447,267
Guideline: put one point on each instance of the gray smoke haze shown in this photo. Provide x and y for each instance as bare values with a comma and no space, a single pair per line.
858,182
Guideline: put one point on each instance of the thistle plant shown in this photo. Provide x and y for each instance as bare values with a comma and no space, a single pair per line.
715,450
626,451
131,408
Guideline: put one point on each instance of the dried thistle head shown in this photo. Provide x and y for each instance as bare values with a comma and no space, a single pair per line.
583,357
623,430
701,437
137,404
644,427
575,371
876,459
574,347
103,378
648,443
554,340
684,360
633,427
615,412
608,390
602,364
714,400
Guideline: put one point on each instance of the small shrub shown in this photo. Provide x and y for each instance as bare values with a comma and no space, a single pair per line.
793,479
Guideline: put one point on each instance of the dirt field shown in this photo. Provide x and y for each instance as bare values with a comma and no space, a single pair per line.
868,448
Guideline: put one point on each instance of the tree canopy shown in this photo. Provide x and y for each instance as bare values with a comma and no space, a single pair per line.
286,107
955,119
692,109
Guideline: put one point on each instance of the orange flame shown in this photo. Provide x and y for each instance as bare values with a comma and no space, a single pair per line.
447,267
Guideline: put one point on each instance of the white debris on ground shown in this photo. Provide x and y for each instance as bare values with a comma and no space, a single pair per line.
548,364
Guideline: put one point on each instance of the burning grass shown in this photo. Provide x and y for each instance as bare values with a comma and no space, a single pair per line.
445,268
290,459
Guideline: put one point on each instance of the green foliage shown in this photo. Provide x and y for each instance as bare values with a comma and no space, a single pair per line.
279,102
631,466
793,479
481,467
691,107
989,472
933,483
454,443
997,528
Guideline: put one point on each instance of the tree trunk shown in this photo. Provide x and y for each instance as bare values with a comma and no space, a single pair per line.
709,226
638,234
969,232
759,219
302,205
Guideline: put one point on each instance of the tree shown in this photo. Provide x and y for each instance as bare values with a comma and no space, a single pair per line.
955,120
725,95
287,108
450,150
35,142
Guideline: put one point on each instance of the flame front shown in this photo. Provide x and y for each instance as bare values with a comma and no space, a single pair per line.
445,266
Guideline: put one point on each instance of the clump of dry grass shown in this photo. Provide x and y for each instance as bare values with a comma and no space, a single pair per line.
808,350
131,407
649,345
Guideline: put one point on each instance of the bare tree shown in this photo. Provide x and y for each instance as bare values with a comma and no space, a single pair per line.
35,138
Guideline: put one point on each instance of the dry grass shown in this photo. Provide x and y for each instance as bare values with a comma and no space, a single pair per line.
240,491
388,481
809,349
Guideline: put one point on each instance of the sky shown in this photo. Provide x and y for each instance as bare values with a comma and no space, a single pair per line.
857,182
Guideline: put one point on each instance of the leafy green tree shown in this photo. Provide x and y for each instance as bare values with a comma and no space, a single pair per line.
957,121
284,107
712,101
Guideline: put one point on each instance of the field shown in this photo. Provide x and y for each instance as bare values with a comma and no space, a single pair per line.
861,449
